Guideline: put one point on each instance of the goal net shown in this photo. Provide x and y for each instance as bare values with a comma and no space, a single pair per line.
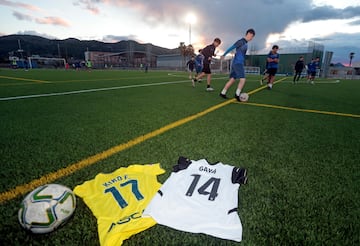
224,67
46,62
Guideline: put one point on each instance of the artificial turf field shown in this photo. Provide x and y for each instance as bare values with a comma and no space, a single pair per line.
300,144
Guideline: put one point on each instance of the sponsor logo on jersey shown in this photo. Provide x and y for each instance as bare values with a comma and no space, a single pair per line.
126,219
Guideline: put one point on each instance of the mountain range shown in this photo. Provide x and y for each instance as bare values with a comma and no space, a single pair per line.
70,48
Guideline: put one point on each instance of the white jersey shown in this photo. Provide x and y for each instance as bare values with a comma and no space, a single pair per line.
199,198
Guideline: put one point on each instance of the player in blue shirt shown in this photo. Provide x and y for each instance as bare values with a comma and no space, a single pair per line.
312,66
273,64
199,62
237,67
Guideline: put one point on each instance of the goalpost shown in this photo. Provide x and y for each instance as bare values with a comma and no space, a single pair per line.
46,62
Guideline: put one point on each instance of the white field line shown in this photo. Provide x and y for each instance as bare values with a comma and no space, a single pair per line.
315,82
92,90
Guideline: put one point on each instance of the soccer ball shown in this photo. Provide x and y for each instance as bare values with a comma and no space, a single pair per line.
244,97
46,208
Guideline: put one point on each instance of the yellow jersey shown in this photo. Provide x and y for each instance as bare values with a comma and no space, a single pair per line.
118,200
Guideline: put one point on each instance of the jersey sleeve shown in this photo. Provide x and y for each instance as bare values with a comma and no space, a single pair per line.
239,175
155,169
240,43
182,164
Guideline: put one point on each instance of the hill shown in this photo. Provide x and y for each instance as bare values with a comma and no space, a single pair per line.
70,48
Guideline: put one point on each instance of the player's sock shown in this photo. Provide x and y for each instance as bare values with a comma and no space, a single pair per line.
224,91
238,91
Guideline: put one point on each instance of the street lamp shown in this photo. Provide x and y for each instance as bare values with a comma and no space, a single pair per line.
351,56
190,18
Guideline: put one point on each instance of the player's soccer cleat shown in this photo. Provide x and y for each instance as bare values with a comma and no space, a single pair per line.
209,89
223,96
237,98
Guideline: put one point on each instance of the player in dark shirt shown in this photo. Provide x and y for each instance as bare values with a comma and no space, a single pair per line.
208,52
191,65
299,66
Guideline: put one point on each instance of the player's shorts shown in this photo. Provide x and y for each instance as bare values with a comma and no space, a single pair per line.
199,69
313,74
272,71
237,71
191,68
206,69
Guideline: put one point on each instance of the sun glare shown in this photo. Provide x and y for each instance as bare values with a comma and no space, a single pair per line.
190,18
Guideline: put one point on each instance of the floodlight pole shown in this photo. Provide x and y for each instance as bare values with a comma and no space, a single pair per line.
189,33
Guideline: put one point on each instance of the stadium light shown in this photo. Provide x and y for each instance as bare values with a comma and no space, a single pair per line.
190,19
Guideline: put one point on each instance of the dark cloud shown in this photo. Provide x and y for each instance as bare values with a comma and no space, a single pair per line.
21,16
230,19
328,12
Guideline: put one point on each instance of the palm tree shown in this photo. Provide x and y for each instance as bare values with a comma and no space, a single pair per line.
351,56
186,51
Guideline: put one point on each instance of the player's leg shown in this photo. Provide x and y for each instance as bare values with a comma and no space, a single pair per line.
271,80
226,87
205,70
208,82
239,88
313,74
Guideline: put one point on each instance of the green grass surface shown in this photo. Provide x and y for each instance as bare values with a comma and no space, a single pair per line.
303,167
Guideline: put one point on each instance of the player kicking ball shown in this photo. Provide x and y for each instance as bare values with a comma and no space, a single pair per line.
237,67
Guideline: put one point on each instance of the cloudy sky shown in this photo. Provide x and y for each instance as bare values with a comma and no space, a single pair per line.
289,23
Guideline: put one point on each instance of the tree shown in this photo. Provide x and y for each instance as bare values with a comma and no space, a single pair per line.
351,56
186,51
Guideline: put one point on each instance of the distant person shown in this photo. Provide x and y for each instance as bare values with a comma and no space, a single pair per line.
273,59
199,62
299,66
88,65
14,63
237,67
190,66
146,68
312,66
208,52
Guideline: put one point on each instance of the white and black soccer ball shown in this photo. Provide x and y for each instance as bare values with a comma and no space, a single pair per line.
46,208
244,97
